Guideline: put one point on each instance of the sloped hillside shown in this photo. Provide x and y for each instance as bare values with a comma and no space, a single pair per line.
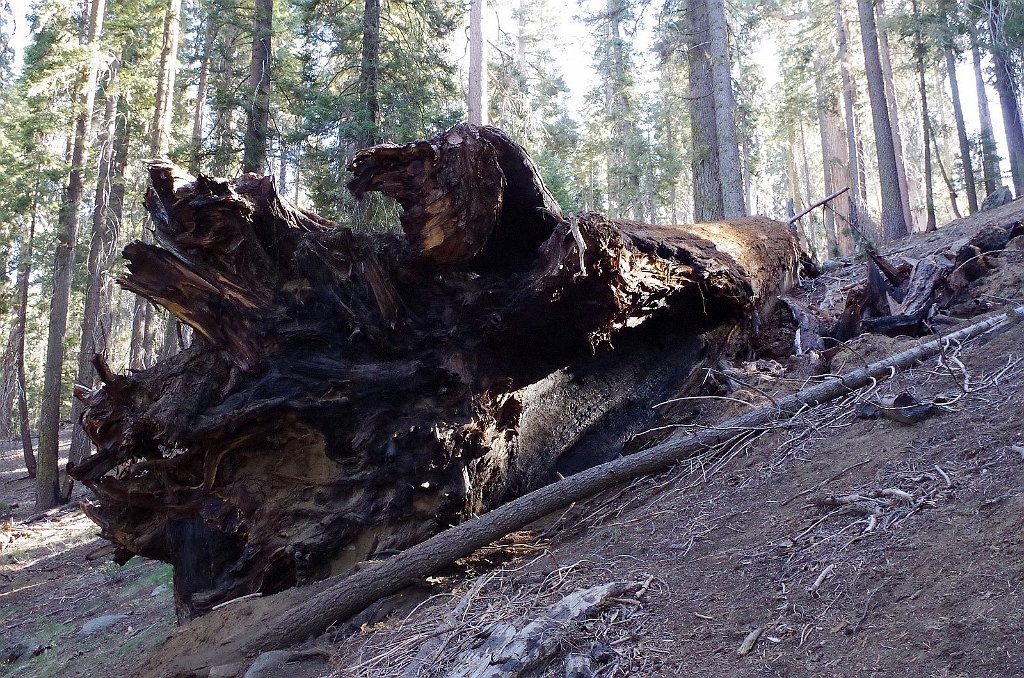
829,544
836,542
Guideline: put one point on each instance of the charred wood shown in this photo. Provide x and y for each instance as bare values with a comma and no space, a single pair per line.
352,394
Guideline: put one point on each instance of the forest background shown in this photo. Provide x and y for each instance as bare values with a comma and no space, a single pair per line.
664,112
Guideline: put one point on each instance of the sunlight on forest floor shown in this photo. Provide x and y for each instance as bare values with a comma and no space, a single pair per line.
64,613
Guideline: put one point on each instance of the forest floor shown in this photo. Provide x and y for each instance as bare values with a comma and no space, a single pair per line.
65,611
826,545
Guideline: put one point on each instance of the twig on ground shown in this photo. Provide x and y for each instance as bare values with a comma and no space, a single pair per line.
825,574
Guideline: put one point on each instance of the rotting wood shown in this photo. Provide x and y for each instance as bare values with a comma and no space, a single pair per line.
293,616
902,300
750,641
508,653
352,394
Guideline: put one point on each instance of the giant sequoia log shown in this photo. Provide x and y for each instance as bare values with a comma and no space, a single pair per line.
351,394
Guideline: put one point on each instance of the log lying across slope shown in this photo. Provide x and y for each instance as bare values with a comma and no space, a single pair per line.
351,394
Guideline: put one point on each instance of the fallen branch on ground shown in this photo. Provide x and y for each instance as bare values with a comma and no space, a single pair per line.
275,623
508,653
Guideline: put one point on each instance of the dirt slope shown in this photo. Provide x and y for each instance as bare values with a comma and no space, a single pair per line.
50,590
913,530
917,529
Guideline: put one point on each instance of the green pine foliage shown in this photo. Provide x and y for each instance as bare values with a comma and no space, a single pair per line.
618,143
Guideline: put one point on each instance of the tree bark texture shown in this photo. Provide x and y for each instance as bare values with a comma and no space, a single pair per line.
623,181
894,120
163,112
104,234
942,170
835,168
47,476
369,77
849,98
258,111
989,149
893,221
160,145
929,191
961,132
209,36
8,383
729,166
707,186
351,394
22,285
1012,124
478,103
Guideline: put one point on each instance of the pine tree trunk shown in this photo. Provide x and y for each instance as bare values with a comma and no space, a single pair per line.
209,36
989,149
24,273
729,166
894,122
223,111
298,170
163,116
670,141
477,104
8,383
862,168
805,164
929,193
849,99
835,154
707,188
115,213
369,74
796,203
144,322
1011,119
748,177
368,132
623,184
140,354
894,222
828,181
837,158
100,256
164,110
942,168
47,476
961,132
258,112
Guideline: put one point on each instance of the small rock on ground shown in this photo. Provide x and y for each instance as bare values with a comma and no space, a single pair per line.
99,623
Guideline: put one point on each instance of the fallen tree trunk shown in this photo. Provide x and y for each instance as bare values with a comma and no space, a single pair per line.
292,617
352,394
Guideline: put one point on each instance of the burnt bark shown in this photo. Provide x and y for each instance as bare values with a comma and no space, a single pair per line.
351,394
